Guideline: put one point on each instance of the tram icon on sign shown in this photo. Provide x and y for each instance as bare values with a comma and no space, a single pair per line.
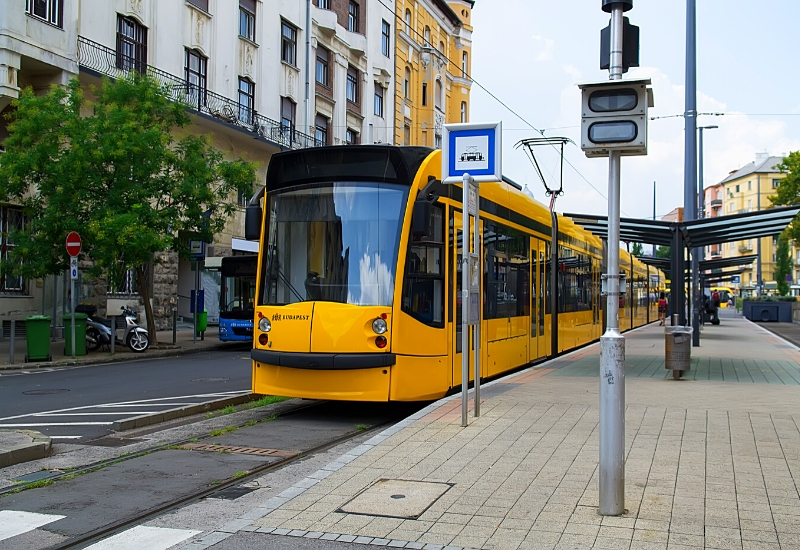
471,154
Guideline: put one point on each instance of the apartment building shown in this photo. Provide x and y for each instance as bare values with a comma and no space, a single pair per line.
259,77
433,67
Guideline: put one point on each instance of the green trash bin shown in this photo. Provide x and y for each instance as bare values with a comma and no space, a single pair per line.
80,334
202,321
37,336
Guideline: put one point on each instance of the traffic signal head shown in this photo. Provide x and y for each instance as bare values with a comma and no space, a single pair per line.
614,117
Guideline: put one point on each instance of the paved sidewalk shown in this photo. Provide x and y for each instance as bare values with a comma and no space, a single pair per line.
712,461
184,343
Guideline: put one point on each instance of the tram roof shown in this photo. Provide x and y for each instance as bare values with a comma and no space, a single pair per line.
696,233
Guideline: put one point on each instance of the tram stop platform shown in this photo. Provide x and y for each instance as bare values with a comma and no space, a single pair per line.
712,460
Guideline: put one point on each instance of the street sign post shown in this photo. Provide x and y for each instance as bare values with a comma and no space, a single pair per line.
471,153
73,245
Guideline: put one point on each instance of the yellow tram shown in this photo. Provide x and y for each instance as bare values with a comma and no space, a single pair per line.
358,288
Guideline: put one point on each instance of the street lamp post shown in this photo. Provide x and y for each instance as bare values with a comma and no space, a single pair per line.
698,291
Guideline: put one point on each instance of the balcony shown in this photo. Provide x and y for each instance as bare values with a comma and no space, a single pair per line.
108,62
747,247
716,254
716,203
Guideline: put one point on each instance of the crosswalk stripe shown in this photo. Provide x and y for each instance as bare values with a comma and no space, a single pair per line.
13,523
141,536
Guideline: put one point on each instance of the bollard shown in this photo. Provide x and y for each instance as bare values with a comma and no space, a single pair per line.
674,319
174,327
113,333
11,347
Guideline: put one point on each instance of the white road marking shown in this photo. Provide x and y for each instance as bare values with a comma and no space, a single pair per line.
141,536
163,401
14,523
94,413
66,436
56,424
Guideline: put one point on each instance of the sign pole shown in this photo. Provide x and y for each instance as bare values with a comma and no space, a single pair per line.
72,313
475,291
612,343
73,246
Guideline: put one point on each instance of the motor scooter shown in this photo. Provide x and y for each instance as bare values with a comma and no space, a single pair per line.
98,332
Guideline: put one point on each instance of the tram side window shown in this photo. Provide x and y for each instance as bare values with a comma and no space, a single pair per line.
423,288
507,272
574,281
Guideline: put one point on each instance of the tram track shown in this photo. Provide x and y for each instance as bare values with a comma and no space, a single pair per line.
122,524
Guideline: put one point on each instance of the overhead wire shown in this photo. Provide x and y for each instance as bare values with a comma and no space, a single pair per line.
493,96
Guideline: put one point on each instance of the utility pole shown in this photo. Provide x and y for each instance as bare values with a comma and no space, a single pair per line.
690,163
654,213
759,288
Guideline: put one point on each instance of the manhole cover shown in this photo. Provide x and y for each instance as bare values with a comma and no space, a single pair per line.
209,380
113,441
406,499
44,392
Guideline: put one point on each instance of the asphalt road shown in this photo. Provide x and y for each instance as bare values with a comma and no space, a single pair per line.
80,403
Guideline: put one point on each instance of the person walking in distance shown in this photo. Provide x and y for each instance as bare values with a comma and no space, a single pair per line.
662,309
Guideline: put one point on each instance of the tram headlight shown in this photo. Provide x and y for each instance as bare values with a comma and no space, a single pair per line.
379,326
264,325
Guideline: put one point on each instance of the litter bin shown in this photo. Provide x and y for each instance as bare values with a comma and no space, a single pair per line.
202,321
80,334
37,336
678,349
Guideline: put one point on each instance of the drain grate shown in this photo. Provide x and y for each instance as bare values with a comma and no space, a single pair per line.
396,498
113,441
240,450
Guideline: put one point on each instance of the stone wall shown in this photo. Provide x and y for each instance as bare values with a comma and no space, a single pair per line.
165,289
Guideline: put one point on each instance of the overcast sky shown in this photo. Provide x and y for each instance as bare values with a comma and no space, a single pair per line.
532,53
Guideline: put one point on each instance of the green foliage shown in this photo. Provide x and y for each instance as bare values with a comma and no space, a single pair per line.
266,400
114,170
788,193
663,252
783,264
637,249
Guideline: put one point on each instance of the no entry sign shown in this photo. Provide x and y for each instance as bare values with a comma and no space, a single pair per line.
73,244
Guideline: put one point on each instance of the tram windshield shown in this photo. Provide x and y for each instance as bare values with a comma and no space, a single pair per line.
334,242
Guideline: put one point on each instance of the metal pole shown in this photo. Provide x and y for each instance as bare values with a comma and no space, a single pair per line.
72,312
476,333
697,252
759,290
55,309
465,268
612,343
196,300
690,150
113,338
13,337
174,326
654,213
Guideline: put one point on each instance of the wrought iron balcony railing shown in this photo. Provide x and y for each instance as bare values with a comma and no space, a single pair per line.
197,97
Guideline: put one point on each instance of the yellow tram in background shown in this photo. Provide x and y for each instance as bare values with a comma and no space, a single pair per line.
358,286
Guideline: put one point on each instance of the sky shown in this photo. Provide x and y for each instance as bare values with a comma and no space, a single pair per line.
531,54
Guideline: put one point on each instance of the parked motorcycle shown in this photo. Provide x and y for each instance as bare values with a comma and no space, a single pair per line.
98,332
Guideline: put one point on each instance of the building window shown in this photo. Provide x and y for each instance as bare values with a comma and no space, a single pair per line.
352,85
407,84
737,188
408,22
202,4
407,135
287,118
11,220
386,30
464,64
127,286
749,185
321,130
247,19
51,11
427,36
351,137
195,72
324,4
247,100
288,44
323,56
463,111
131,45
378,100
352,17
441,47
438,95
424,94
776,184
437,141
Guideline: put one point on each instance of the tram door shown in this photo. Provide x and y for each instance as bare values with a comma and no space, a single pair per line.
455,289
537,302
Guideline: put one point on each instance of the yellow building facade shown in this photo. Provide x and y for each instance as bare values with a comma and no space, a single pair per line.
433,65
747,190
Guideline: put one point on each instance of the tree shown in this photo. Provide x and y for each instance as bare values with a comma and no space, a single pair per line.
113,170
637,249
663,252
788,192
783,264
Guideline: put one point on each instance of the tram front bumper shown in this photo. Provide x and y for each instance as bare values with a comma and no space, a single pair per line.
324,361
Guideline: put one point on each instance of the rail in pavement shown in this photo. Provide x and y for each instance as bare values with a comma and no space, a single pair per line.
711,461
